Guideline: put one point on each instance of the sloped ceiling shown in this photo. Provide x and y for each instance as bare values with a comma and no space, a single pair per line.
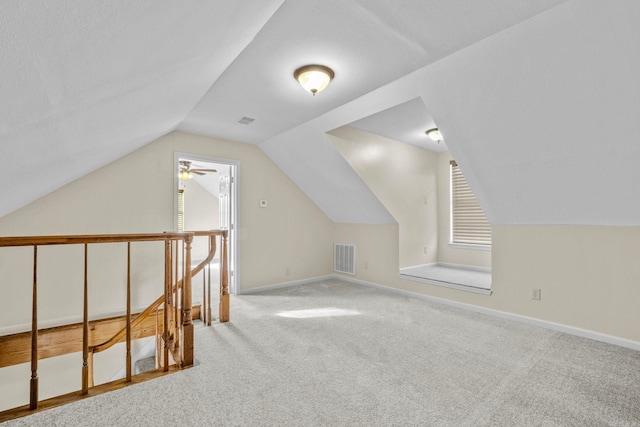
407,122
86,82
521,91
543,117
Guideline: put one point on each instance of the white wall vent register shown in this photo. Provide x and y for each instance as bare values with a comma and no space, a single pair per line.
344,258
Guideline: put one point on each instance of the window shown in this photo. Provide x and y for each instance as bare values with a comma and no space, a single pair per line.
469,225
180,210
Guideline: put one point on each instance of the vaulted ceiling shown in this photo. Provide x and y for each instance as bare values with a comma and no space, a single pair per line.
537,99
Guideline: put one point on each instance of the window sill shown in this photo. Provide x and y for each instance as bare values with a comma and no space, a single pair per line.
460,277
470,246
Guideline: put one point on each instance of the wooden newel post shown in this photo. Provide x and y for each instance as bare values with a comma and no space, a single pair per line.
224,282
187,326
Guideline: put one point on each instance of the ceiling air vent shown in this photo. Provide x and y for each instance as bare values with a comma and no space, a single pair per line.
246,120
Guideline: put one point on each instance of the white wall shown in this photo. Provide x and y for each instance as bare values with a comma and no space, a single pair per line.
404,178
135,194
201,207
201,213
588,275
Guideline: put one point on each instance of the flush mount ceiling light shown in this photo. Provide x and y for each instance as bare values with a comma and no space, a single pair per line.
313,78
434,134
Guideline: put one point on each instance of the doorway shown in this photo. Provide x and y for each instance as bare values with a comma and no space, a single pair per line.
205,198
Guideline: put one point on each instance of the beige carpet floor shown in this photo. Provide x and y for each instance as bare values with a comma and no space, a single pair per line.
338,354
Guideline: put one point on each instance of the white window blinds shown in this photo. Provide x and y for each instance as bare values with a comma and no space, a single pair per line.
469,225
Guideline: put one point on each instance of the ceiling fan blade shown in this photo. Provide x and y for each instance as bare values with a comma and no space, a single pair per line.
203,170
197,172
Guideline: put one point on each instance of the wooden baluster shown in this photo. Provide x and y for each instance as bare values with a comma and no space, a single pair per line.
187,325
174,306
173,297
33,386
90,368
224,281
158,341
85,328
203,310
128,358
212,245
167,306
179,300
167,302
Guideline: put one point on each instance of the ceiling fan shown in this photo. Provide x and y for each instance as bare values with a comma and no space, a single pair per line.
186,172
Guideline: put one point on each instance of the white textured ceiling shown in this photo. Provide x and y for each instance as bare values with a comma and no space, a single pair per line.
367,43
407,122
84,83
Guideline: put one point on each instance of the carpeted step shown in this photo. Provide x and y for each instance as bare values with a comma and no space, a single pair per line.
145,365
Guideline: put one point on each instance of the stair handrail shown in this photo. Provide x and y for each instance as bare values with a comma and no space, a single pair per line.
158,302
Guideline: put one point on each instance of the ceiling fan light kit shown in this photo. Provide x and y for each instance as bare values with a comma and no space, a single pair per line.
313,78
186,172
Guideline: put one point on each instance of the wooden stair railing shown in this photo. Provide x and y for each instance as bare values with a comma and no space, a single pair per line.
153,308
177,335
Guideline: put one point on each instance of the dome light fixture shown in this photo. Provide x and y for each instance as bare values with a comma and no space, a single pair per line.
313,78
434,134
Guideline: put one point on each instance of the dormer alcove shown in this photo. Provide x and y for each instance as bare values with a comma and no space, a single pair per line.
413,182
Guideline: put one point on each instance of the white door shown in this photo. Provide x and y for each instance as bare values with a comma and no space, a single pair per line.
225,200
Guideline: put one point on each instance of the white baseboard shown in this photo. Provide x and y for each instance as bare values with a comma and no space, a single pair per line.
571,330
286,284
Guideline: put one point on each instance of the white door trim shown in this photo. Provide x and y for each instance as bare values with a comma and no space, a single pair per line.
234,274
